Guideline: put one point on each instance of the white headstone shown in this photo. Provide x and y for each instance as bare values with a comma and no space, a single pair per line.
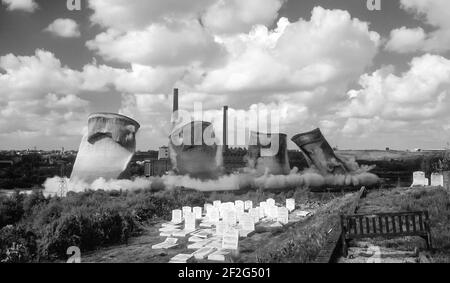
418,178
186,209
230,240
214,215
273,212
254,212
229,217
248,204
264,208
270,201
283,215
217,203
219,228
437,180
189,221
247,222
290,204
177,216
197,211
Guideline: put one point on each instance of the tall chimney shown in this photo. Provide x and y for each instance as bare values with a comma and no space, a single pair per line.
175,99
225,127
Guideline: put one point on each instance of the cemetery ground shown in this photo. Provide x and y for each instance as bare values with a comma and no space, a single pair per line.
123,226
295,242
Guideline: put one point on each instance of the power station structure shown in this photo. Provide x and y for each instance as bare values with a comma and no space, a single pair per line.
107,147
194,150
267,153
193,147
319,153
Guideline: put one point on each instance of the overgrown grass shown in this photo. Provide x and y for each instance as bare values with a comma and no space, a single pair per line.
35,228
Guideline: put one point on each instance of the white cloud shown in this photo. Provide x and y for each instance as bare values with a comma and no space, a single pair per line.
235,16
296,56
435,13
21,5
405,40
64,28
180,43
124,15
411,105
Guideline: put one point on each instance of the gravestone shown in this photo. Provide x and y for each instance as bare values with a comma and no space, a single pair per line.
273,212
186,209
214,215
220,226
229,217
247,222
290,204
217,203
418,179
189,221
254,212
177,216
437,180
283,215
270,201
198,212
230,240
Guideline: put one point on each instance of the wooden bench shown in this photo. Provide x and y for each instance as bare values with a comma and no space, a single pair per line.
386,225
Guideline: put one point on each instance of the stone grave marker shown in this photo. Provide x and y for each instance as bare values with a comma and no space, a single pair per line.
437,180
283,215
186,209
229,217
270,201
230,240
247,222
290,204
217,203
214,215
198,212
189,221
418,179
177,216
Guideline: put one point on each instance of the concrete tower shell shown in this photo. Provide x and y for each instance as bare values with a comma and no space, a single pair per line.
267,153
191,154
107,148
319,152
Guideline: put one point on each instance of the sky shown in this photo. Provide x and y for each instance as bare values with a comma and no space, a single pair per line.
369,79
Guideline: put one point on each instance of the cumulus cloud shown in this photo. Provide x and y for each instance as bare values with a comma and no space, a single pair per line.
405,40
296,56
413,104
234,16
64,28
435,13
180,43
21,5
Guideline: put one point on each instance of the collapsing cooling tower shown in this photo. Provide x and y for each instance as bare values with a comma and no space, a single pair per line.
319,153
191,154
107,148
267,153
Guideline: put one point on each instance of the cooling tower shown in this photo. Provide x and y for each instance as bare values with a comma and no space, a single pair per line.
107,148
267,153
319,153
191,154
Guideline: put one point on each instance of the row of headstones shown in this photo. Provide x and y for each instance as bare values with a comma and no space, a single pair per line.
231,213
419,179
224,216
